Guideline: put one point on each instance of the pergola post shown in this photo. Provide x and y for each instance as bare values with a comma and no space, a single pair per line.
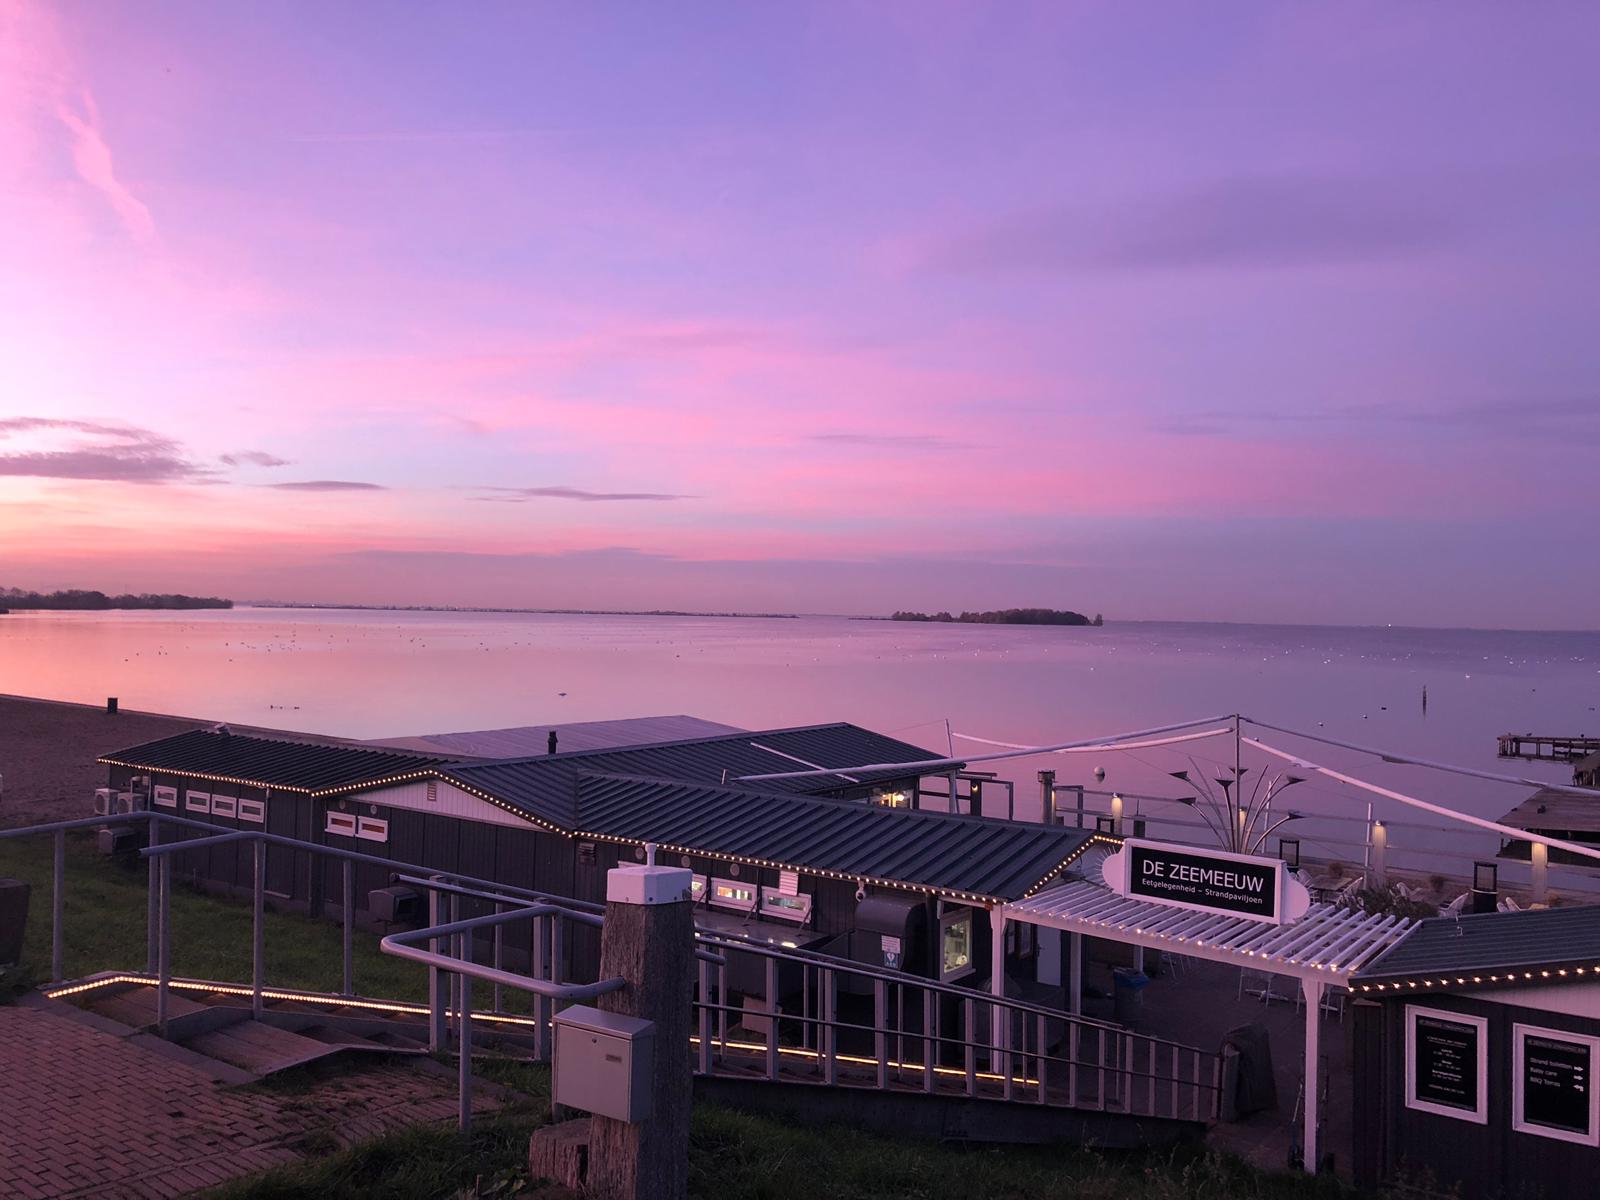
1075,974
1312,989
997,980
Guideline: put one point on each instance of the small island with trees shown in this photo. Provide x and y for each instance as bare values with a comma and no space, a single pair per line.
76,600
1006,616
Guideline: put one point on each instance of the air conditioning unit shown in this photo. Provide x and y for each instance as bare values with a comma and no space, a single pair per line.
394,905
124,802
119,840
104,801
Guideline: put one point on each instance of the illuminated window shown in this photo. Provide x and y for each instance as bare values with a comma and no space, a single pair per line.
252,810
778,903
197,801
730,893
167,797
343,824
891,799
223,806
955,944
697,889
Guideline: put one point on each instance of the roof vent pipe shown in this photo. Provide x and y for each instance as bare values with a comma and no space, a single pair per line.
724,775
552,741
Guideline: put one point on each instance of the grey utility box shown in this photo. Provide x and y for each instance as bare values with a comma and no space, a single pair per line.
603,1063
394,905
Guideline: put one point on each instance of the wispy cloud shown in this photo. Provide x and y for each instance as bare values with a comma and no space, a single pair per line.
91,157
254,458
515,495
53,448
890,441
1566,420
1248,222
328,485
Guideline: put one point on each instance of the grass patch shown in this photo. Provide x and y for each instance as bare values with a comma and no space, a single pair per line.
741,1156
105,930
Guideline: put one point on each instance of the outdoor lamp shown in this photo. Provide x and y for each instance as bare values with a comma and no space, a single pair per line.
1289,851
1485,877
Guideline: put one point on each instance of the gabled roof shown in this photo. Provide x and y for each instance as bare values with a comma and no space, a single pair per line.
973,858
1540,945
268,762
542,786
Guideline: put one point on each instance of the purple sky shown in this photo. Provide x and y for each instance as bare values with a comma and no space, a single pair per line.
1255,312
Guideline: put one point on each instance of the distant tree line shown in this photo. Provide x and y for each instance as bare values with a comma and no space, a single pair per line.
77,599
1006,616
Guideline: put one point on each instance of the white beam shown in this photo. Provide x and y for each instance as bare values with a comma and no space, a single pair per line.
1313,996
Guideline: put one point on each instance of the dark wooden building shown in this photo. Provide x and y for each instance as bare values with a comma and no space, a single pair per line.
810,862
1475,1045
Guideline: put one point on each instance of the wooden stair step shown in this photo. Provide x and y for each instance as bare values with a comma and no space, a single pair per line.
257,1047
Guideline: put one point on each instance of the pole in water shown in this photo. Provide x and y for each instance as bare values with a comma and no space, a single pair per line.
1424,699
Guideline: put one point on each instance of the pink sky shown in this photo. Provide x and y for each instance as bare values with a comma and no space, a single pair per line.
1277,315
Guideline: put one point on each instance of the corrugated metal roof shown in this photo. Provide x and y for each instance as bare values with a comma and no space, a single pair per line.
1551,811
524,740
543,785
978,858
1541,945
268,762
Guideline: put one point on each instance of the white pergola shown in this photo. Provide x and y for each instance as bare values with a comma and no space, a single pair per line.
1322,949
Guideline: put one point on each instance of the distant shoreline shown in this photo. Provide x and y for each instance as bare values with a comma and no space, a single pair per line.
551,612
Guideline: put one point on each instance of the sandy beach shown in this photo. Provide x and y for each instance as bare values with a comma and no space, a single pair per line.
48,750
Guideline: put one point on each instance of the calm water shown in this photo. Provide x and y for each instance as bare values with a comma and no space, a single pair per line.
371,674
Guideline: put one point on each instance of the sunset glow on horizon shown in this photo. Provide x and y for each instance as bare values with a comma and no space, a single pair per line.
1166,312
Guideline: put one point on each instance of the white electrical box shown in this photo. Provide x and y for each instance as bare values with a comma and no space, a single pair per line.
603,1063
648,885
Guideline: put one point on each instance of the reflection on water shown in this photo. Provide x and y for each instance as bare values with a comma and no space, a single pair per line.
372,674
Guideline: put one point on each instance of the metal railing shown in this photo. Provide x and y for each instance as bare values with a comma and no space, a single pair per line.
818,1019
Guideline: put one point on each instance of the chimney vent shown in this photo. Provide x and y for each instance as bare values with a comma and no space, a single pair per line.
552,741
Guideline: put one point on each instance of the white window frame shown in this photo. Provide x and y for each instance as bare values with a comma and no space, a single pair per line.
698,886
744,906
779,910
954,916
1520,1034
165,797
372,829
1478,1115
341,824
224,806
194,801
254,811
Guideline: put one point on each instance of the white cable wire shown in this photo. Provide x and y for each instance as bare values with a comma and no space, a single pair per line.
1521,835
931,764
1183,737
1406,760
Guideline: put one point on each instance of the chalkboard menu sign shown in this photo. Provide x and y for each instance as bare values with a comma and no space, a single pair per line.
1446,1064
1554,1084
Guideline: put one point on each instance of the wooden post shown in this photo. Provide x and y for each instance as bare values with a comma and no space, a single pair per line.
651,946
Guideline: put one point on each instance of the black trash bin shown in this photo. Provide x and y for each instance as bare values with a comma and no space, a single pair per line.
1127,993
13,919
1252,1086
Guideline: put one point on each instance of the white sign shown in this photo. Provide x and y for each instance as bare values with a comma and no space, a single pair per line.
1248,886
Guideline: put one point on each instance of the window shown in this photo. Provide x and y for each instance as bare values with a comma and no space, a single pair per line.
253,810
785,906
1447,1064
891,799
730,893
697,889
343,824
167,797
1552,1084
955,944
223,806
372,829
197,801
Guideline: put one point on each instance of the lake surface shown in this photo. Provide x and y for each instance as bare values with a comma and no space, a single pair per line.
375,674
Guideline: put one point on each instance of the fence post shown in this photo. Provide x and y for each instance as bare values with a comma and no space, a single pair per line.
164,944
348,902
58,901
436,1016
258,937
648,940
464,1067
152,904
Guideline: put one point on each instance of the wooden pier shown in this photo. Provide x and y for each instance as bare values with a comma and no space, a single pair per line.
1547,749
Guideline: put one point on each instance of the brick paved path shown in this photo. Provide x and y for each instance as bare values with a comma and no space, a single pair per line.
86,1113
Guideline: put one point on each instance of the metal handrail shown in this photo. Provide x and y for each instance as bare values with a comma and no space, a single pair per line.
399,944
